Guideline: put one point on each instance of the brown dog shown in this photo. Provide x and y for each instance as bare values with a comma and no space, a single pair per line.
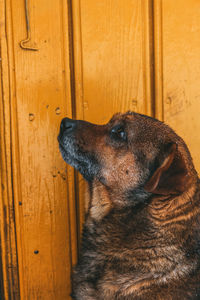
141,238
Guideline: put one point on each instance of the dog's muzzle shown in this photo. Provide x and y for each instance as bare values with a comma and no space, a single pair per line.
72,148
67,126
66,137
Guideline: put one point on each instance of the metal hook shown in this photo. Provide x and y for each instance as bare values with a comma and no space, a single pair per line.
28,38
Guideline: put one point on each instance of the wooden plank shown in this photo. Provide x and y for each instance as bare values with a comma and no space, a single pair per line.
180,43
43,189
10,280
111,52
112,58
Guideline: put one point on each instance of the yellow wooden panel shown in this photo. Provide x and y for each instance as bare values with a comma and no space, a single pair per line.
43,190
181,70
112,56
8,252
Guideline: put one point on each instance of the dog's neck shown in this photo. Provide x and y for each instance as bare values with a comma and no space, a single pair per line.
101,200
99,203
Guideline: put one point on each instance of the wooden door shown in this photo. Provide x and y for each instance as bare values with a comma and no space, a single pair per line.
177,40
112,62
88,60
39,232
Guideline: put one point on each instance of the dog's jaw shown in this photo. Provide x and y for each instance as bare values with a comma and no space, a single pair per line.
83,162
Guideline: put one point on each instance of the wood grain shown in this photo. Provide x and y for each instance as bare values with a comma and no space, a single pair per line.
112,61
10,280
181,70
110,54
43,186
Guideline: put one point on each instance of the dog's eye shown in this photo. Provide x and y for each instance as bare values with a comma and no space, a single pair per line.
119,133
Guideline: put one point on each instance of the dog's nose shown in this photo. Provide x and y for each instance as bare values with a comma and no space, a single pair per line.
67,125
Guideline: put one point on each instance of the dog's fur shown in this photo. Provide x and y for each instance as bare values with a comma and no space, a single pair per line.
141,238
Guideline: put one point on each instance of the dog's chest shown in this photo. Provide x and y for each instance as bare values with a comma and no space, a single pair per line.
119,253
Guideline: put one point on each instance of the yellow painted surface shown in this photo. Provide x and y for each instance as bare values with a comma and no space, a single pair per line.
9,282
181,70
112,54
38,98
94,58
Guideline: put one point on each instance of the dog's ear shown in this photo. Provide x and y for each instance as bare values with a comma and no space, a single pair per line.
171,176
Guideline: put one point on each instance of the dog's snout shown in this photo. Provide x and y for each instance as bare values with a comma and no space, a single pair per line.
68,125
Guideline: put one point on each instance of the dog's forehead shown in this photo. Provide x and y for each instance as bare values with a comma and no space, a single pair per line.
136,121
139,120
121,117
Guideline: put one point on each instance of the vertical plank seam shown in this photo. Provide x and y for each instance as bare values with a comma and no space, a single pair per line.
68,63
158,59
75,52
73,104
13,273
15,160
71,59
148,53
4,186
75,95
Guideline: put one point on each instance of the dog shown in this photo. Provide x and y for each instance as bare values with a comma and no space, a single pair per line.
141,237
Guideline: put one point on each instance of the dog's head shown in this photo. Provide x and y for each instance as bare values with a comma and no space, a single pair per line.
131,153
